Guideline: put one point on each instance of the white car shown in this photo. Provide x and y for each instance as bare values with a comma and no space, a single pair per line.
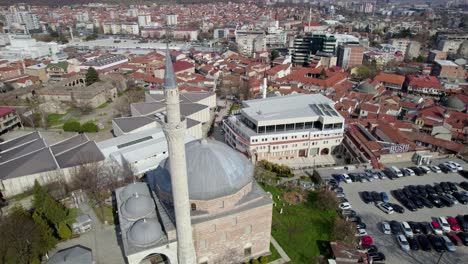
360,232
456,165
406,229
435,169
345,206
386,228
346,178
385,207
451,198
444,224
403,242
448,244
408,171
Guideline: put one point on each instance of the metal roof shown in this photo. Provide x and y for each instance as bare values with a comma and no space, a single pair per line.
74,255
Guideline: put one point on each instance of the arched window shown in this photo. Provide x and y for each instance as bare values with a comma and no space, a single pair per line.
194,207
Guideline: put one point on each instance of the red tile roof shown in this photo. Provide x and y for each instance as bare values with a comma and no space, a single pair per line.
5,110
390,78
423,81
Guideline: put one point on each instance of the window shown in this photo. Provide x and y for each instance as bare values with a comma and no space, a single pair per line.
194,207
248,229
224,236
234,221
202,243
221,204
213,228
247,251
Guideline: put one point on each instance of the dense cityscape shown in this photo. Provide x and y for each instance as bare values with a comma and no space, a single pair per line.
266,131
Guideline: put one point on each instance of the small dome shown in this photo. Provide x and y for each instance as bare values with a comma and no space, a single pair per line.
132,188
454,103
145,232
138,206
366,88
214,170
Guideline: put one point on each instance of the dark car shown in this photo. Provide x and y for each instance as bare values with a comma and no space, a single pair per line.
444,168
395,227
371,248
463,237
375,197
397,208
355,219
429,189
407,192
426,202
413,189
354,177
426,228
464,185
464,173
415,227
446,201
348,213
460,197
376,257
422,190
409,205
462,222
361,225
389,174
366,197
417,202
417,171
435,199
424,243
438,188
398,194
445,187
452,186
413,243
437,243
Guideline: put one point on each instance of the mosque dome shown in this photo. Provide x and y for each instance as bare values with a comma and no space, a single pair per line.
137,206
145,232
131,189
366,88
454,103
214,170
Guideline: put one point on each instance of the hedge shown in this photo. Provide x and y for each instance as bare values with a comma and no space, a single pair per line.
89,127
74,126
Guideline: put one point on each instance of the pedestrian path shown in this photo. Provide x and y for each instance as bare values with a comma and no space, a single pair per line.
284,257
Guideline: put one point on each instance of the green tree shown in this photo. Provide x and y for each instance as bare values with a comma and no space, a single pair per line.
263,259
254,261
92,76
64,231
72,126
54,212
274,54
39,195
48,241
89,127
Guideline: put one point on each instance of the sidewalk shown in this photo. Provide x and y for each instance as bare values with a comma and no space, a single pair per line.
284,257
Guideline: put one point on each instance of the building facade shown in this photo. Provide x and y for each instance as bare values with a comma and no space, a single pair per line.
350,55
285,127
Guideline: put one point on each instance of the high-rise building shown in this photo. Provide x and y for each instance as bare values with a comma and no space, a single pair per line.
350,55
27,19
249,41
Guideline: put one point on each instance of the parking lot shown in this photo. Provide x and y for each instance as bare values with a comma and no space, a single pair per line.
372,216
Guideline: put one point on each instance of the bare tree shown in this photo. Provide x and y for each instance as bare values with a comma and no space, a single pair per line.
325,200
122,105
344,231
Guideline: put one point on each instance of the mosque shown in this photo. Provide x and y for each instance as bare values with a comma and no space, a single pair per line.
201,205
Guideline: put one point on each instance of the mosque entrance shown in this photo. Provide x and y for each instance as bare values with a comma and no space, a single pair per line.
155,259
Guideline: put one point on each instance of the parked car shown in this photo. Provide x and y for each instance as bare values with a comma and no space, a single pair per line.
462,222
429,189
424,243
361,232
464,173
437,243
366,197
425,169
452,186
435,169
366,241
413,189
409,204
451,198
361,225
426,228
438,188
345,206
371,248
464,185
422,190
396,171
385,207
454,238
349,213
397,208
445,187
415,227
444,224
395,227
448,244
376,257
435,199
417,171
455,164
403,242
407,172
346,178
375,197
340,195
398,194
446,168
463,199
413,243
384,197
453,224
406,229
425,202
417,202
436,228
463,237
446,201
385,228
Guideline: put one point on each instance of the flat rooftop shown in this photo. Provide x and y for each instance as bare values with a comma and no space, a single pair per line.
291,107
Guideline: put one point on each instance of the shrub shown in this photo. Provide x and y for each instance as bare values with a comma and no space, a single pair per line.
263,259
254,261
72,126
89,127
64,231
36,260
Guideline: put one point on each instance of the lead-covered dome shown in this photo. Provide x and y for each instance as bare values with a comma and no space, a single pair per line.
137,206
145,232
132,188
214,170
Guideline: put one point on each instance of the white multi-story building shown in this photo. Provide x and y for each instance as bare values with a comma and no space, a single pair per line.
117,28
249,41
285,127
144,20
171,19
24,46
24,18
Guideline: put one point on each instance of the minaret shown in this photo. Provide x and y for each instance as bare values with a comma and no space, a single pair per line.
174,129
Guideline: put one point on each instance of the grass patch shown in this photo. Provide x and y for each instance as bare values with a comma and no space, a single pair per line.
300,227
108,214
233,108
274,254
104,105
55,119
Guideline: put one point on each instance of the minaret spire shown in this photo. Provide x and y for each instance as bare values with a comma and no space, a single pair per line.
174,129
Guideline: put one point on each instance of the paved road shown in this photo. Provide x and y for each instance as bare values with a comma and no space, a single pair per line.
102,240
387,243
